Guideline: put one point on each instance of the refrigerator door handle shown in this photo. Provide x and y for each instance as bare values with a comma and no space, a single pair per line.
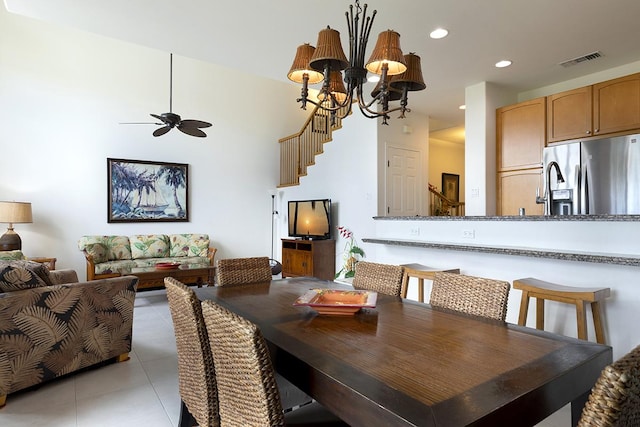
576,203
584,191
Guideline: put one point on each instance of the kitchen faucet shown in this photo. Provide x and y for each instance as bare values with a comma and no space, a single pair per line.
547,197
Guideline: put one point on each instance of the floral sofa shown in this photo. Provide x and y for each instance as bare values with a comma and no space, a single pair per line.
111,256
52,325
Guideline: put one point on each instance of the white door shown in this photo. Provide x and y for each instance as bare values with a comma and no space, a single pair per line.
404,178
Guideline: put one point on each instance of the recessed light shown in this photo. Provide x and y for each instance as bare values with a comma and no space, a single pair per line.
462,107
503,63
374,78
438,33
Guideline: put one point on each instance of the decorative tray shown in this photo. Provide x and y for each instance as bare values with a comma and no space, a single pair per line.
337,302
167,265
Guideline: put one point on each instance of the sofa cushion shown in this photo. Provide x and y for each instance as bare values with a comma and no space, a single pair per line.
117,246
18,275
149,246
189,245
98,251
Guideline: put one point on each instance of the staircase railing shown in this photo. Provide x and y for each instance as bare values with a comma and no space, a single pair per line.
298,151
441,206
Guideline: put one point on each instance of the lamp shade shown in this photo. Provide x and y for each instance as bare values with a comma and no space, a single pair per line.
15,212
329,51
336,87
412,78
387,51
301,66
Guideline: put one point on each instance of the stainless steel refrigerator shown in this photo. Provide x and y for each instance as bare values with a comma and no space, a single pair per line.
593,177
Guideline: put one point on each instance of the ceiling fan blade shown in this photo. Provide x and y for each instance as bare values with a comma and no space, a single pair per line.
195,123
191,131
161,131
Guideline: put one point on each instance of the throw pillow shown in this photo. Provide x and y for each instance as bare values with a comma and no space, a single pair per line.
36,268
11,255
15,278
189,245
98,251
149,246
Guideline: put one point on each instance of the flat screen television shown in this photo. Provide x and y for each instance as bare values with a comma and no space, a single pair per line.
310,219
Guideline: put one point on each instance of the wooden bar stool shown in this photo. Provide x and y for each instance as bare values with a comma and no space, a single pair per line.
541,290
420,272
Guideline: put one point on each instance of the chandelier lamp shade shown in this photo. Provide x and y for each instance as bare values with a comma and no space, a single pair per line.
13,213
326,63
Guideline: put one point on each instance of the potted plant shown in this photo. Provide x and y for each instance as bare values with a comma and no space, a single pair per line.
351,255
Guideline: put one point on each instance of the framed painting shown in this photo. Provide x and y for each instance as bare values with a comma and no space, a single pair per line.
451,186
144,191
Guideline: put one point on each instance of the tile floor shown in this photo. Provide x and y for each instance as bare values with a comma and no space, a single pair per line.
140,392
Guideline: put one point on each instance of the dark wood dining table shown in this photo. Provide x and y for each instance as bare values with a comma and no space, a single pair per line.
404,363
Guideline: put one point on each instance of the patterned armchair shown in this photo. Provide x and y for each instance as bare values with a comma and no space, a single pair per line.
50,331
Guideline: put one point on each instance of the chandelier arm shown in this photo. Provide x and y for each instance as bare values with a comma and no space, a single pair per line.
304,92
352,26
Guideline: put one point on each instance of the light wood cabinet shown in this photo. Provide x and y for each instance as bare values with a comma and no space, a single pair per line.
517,189
312,258
601,109
616,105
520,131
569,114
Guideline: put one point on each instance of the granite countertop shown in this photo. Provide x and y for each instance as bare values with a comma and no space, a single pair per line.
619,259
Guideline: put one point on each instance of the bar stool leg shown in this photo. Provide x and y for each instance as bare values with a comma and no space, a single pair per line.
581,318
597,322
405,285
420,289
524,308
540,313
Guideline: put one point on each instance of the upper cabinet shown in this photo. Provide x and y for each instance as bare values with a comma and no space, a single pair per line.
603,108
520,131
616,105
569,114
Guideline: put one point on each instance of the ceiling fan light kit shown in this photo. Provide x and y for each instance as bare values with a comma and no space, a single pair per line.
399,73
171,120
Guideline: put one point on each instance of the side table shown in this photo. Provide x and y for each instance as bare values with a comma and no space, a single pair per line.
49,262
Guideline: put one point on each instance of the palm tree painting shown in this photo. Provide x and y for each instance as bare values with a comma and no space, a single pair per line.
147,191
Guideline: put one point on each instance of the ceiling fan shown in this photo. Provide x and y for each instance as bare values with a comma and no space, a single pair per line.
171,120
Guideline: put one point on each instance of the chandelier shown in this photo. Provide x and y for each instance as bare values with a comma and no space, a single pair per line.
399,74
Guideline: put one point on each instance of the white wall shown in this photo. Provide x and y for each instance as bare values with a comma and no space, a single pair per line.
62,95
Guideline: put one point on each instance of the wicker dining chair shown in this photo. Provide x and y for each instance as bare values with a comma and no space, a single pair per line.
615,399
196,374
382,278
471,295
247,389
234,271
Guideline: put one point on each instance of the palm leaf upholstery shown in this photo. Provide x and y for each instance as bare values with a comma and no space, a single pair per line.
50,331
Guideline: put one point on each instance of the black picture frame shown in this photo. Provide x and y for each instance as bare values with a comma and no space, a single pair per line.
147,191
451,186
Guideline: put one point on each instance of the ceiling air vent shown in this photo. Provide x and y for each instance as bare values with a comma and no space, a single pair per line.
587,57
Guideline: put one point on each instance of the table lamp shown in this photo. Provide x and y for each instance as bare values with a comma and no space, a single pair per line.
13,213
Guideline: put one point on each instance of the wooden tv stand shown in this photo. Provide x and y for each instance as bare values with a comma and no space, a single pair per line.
314,258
